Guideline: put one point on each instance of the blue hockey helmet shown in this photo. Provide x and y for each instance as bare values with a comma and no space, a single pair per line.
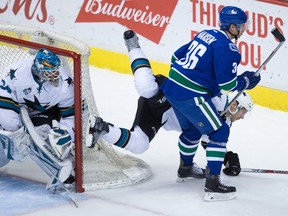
232,15
46,66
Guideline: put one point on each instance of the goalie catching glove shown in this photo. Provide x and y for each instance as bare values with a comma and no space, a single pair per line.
60,140
232,164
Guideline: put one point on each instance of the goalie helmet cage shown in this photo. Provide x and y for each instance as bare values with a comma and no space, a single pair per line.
95,168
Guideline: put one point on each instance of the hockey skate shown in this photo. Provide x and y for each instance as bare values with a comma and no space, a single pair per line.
97,128
215,190
189,172
54,186
131,40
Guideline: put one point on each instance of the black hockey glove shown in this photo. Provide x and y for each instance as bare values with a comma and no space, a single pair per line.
248,80
204,144
97,128
232,164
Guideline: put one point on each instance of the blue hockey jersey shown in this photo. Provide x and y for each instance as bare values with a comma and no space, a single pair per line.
203,67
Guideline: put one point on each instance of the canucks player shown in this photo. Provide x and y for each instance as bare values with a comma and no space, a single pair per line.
154,112
41,85
200,70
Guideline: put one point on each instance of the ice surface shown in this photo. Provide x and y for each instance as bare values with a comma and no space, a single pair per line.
260,140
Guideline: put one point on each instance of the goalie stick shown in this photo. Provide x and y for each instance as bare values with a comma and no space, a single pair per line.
280,37
72,197
264,171
34,136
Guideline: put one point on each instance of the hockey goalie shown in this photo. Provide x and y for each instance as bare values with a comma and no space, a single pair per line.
37,116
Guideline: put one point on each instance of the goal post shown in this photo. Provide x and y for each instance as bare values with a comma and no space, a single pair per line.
77,94
95,168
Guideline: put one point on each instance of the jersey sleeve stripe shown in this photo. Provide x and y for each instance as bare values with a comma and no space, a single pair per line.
140,63
174,75
124,138
67,111
9,104
229,85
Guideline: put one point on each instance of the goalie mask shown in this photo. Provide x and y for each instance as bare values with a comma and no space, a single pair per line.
46,67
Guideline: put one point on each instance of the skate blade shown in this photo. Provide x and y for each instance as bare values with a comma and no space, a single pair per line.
180,180
212,196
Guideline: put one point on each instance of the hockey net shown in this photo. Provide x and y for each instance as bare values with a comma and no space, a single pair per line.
95,168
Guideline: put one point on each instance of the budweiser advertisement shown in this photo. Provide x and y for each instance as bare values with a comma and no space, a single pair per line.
30,9
149,18
162,25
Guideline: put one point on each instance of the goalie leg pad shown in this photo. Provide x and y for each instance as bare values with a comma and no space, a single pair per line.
60,168
43,131
3,157
15,144
44,155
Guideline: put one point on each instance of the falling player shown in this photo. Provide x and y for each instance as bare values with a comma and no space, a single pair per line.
154,112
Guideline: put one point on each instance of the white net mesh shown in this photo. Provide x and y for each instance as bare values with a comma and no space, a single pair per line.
103,167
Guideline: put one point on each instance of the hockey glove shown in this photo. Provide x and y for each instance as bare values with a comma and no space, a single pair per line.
232,164
247,80
61,141
204,144
97,128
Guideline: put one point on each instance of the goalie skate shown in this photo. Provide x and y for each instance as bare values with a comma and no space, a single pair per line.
55,186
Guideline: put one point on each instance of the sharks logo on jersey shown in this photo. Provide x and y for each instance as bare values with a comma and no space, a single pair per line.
35,105
69,81
11,74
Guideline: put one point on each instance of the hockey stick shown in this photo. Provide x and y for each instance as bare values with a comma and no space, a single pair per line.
264,171
72,197
33,134
280,37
